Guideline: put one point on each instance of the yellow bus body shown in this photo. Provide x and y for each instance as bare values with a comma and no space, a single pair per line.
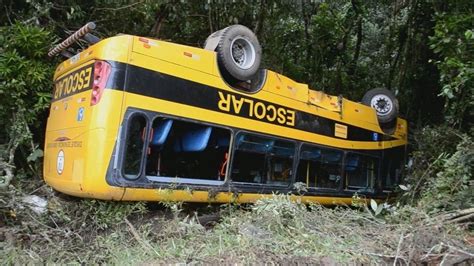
87,144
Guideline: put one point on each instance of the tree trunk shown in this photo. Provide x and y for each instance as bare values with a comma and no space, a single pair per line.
261,17
355,58
161,15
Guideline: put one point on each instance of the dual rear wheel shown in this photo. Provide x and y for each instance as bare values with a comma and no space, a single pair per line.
238,51
384,103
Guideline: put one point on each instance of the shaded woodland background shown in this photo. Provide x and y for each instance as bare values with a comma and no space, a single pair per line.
422,50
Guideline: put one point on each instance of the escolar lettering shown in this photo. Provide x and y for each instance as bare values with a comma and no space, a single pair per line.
247,107
77,81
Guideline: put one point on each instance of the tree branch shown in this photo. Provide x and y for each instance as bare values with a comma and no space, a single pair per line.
119,8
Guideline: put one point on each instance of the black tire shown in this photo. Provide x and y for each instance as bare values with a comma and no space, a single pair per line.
384,102
238,52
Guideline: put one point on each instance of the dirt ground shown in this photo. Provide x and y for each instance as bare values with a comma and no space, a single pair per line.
277,230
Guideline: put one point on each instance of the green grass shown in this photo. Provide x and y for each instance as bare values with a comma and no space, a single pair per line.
272,230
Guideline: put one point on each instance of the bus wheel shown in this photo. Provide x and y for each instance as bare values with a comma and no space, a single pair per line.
384,102
238,51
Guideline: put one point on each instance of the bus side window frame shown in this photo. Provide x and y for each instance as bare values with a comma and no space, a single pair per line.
267,156
315,188
186,180
128,124
393,157
377,175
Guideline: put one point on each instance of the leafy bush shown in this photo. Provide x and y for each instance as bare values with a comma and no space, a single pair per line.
441,169
453,187
453,40
25,92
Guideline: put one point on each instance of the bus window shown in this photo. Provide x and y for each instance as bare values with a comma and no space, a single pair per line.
262,160
280,163
190,151
392,167
361,171
319,167
134,146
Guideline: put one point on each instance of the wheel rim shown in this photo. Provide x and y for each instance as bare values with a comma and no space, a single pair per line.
382,104
243,53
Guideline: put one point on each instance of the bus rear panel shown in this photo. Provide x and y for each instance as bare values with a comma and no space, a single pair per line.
84,120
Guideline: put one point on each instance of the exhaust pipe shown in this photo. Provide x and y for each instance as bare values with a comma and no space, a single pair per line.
72,39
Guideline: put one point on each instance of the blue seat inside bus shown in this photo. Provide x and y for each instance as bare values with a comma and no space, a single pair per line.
193,140
160,133
352,162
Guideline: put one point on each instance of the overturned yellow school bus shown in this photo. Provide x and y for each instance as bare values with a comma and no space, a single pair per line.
134,118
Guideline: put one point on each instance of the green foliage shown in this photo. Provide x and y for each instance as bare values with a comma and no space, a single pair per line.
24,71
25,86
278,229
440,176
342,47
105,214
430,144
68,231
280,209
452,187
453,40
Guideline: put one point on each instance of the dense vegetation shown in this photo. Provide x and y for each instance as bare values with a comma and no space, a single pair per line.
421,50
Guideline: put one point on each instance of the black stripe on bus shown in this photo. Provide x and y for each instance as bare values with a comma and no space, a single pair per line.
154,84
